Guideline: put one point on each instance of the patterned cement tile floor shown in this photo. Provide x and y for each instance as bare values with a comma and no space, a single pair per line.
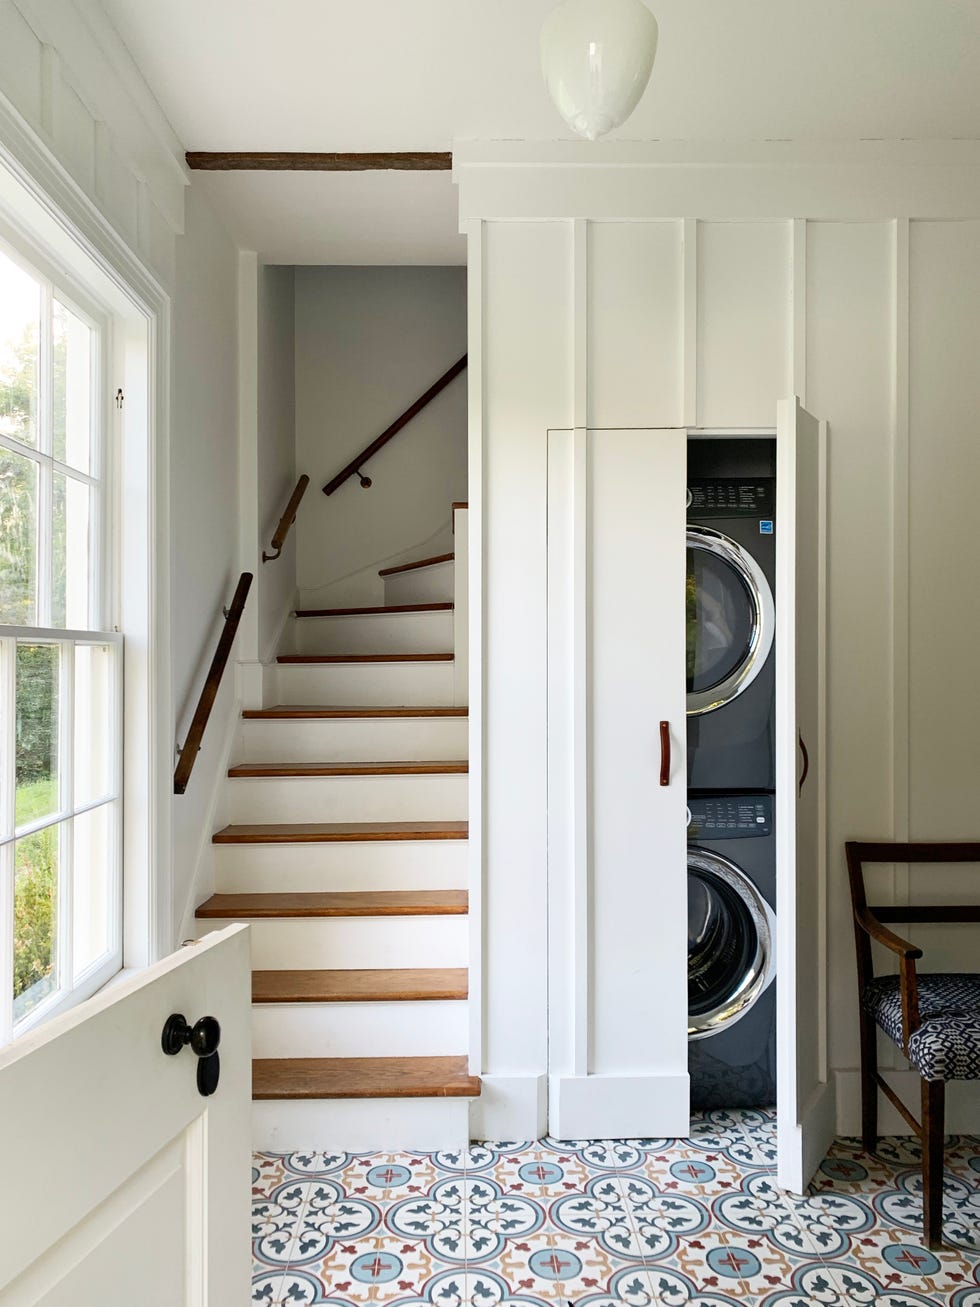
693,1222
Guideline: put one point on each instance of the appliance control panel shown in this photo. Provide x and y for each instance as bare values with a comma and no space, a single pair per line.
729,816
731,497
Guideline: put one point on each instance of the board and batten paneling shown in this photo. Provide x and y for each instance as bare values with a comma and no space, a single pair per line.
850,381
635,291
744,346
944,484
527,388
878,321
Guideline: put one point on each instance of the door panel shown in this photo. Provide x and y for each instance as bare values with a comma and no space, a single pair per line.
617,837
804,1100
131,1187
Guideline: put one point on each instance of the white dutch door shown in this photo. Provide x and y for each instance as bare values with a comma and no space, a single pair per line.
122,1183
804,1099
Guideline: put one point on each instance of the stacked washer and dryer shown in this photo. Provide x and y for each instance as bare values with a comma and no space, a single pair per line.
731,856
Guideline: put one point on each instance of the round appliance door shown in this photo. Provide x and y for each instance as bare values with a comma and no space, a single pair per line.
730,619
731,933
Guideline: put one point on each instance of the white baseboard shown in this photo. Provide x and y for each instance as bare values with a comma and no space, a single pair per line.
620,1107
962,1104
510,1107
360,1125
803,1146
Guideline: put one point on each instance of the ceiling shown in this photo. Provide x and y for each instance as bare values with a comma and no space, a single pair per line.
361,75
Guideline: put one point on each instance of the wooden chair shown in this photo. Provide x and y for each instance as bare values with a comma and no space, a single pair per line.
933,1018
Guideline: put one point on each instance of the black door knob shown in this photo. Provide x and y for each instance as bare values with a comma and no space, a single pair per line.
203,1037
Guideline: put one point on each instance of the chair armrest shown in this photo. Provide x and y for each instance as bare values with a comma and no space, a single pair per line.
870,924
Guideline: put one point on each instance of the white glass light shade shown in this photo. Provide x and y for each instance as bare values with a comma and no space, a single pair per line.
596,56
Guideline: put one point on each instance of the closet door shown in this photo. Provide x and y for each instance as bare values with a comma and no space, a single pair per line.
617,783
805,1103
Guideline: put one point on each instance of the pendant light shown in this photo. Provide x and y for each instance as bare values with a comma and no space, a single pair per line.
596,56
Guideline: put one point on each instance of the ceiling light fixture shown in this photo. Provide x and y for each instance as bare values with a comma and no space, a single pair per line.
596,56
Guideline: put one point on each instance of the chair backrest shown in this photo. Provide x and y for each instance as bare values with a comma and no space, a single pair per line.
859,852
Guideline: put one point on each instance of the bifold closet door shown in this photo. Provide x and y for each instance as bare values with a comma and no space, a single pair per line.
617,783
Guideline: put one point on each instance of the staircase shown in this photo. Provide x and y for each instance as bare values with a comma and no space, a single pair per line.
346,852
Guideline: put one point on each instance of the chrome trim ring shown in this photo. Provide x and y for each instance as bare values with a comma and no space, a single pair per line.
761,970
763,619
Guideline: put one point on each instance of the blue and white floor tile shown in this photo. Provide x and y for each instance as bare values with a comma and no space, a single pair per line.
695,1222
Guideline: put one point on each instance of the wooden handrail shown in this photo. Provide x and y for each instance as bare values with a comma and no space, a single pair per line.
353,468
192,745
287,519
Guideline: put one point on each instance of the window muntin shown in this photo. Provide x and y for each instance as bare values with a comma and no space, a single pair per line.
60,663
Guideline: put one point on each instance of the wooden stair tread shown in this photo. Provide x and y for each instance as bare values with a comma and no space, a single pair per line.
422,562
366,658
383,985
284,710
382,608
338,903
449,767
363,1077
460,503
333,832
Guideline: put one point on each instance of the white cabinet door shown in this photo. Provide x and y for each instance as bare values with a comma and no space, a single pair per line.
617,834
804,1102
122,1184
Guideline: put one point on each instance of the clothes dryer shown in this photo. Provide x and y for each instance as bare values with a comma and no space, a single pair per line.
731,870
731,560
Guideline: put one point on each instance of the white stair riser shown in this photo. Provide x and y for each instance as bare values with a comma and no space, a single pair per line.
424,1029
355,739
367,684
339,943
347,798
367,865
423,585
376,633
360,1125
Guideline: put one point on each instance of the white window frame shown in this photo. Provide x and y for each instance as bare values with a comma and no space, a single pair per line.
56,220
102,630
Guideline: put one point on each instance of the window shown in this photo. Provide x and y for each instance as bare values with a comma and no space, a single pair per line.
60,706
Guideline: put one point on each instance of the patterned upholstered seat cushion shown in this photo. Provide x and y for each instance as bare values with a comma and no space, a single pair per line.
947,1044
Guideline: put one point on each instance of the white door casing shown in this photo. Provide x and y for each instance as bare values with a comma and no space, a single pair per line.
617,837
122,1183
805,1101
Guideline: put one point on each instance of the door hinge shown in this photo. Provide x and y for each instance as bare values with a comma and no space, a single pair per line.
120,397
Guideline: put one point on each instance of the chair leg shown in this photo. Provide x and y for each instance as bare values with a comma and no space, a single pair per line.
869,1086
933,1140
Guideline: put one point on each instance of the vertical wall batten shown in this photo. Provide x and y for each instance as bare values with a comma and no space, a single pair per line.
797,350
476,293
580,322
581,748
689,324
900,548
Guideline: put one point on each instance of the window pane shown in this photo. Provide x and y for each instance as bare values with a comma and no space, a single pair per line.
18,539
37,695
72,388
94,718
20,317
35,919
93,858
70,524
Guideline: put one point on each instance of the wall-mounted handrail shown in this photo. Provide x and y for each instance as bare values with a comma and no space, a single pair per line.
287,519
192,745
353,468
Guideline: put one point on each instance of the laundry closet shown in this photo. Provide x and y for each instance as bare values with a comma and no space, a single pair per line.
647,888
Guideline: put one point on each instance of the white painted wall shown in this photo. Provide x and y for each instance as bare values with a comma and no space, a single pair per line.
875,324
204,511
369,341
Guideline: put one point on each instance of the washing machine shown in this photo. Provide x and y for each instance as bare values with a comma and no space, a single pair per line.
731,572
731,950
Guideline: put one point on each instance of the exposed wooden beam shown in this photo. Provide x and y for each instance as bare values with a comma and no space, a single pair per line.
297,161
